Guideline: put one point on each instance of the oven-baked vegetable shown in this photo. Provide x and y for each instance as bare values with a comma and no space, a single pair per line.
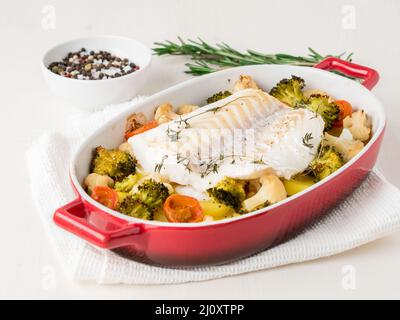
152,193
116,164
219,96
345,144
180,208
321,105
94,180
122,196
346,110
148,126
145,176
149,197
134,122
215,210
126,147
134,208
327,162
159,215
359,125
311,92
186,108
289,91
229,192
245,82
164,113
298,184
127,184
106,196
272,191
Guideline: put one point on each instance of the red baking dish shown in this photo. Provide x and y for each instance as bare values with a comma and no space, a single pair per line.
223,241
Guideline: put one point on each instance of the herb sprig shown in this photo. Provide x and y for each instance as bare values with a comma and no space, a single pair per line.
174,135
306,140
160,165
207,58
185,161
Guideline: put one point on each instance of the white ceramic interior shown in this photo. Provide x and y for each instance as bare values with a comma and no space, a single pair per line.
196,90
94,94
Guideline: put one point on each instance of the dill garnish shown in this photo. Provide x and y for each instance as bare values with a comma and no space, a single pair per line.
210,167
306,140
160,165
174,135
185,161
259,161
184,121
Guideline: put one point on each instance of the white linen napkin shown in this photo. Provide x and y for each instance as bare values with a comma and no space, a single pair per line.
371,212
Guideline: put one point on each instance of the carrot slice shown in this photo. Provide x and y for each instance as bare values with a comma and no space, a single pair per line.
346,110
148,126
106,196
180,208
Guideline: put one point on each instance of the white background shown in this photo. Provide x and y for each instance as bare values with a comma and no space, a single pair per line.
27,109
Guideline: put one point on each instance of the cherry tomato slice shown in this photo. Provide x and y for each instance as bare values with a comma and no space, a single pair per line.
106,196
148,126
180,208
346,109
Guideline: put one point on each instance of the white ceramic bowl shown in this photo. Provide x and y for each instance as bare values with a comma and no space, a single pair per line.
94,94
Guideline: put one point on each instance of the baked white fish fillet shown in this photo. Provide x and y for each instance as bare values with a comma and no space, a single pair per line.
243,137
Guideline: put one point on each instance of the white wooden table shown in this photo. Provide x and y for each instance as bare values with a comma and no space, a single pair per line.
28,109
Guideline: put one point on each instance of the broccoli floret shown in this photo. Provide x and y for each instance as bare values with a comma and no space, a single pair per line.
229,192
134,208
122,196
127,184
149,197
289,91
152,194
113,163
326,163
219,96
321,105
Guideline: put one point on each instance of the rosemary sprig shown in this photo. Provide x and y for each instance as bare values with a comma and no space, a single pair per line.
207,58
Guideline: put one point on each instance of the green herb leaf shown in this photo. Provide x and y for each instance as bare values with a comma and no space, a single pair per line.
306,140
207,58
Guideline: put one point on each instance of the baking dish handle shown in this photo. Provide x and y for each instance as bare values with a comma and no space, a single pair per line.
370,76
95,226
